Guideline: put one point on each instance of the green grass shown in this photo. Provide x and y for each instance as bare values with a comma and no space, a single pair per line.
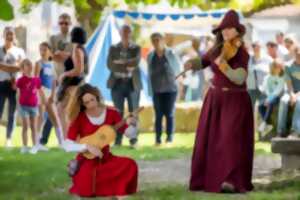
183,144
43,176
29,176
289,191
180,192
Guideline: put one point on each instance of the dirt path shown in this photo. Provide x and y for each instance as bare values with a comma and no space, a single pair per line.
177,171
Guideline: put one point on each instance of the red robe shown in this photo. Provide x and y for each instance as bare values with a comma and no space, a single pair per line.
110,176
224,144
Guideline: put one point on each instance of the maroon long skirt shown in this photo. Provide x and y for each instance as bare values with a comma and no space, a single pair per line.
224,144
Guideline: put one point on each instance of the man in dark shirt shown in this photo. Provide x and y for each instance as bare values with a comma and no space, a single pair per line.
125,80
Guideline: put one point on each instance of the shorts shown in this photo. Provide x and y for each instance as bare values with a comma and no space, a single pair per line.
28,111
64,91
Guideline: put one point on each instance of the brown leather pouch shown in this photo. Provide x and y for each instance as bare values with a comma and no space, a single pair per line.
73,167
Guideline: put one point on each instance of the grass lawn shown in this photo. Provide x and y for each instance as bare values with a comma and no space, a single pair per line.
290,191
43,176
183,144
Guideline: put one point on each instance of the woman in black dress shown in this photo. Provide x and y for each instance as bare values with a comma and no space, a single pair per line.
76,67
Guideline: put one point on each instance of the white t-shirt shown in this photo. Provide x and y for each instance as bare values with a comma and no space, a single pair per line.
282,51
98,120
11,57
257,71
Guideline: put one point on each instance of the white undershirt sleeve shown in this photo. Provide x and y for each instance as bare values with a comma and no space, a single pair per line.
71,146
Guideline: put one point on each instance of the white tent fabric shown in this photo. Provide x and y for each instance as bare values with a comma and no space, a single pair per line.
97,48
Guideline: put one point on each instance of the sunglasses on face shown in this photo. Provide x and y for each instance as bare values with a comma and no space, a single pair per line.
64,23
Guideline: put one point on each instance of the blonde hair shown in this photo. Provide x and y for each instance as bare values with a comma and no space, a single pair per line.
24,62
277,64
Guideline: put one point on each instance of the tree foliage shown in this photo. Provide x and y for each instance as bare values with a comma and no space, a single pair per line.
6,10
88,12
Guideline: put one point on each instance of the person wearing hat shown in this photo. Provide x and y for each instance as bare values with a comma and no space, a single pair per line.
222,159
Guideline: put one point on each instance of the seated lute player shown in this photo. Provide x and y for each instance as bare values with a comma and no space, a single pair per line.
104,174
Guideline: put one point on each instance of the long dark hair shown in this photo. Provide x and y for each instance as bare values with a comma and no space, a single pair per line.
47,45
215,50
77,105
78,35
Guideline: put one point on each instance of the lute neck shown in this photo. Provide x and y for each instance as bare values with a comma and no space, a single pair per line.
118,125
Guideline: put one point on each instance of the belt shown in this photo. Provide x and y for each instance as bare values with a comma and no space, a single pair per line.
122,75
226,89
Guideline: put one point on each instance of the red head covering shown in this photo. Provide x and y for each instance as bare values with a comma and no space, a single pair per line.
230,20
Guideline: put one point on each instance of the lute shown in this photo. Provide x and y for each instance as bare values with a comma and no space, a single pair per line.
105,134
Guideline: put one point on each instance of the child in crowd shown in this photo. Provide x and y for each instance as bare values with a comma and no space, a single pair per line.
272,89
45,71
28,88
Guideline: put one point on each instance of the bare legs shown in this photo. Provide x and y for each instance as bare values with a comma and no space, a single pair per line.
26,123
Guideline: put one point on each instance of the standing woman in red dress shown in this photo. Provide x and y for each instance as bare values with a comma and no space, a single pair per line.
105,175
223,153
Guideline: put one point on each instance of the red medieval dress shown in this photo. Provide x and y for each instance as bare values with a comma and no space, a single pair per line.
224,143
109,176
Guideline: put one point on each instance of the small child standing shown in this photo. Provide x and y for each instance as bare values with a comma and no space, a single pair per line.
272,89
45,70
28,88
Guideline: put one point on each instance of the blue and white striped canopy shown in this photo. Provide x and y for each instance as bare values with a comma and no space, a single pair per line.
163,16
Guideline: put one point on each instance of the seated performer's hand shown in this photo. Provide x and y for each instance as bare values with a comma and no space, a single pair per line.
95,151
132,120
